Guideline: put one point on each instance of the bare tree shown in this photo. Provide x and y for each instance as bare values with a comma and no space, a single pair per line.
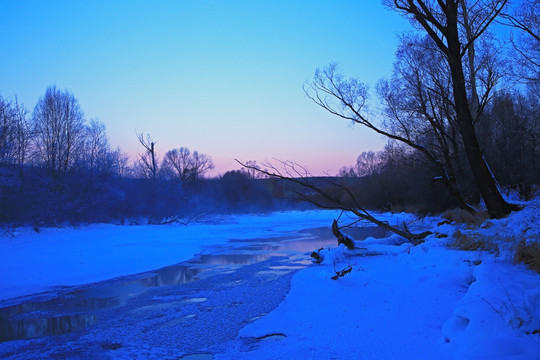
96,145
443,22
251,173
347,98
347,172
201,163
367,163
121,163
176,163
97,158
418,106
147,164
23,135
511,139
526,18
14,133
186,166
58,123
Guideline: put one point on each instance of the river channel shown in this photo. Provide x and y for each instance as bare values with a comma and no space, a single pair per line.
185,311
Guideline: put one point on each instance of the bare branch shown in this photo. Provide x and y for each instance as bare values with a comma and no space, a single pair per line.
332,202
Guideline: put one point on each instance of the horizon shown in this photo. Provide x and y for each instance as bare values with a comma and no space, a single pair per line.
224,79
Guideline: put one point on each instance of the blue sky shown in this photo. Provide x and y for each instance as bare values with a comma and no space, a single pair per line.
221,77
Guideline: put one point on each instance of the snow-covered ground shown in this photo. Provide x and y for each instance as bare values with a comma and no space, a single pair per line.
423,302
399,301
33,262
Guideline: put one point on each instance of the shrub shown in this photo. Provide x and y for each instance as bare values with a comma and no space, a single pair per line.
473,242
463,217
528,253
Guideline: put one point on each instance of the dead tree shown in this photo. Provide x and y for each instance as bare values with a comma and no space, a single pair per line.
148,158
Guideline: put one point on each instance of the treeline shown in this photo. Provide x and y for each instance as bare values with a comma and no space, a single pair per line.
400,178
57,167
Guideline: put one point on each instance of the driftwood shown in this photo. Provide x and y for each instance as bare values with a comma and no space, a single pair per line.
341,273
342,239
414,238
317,256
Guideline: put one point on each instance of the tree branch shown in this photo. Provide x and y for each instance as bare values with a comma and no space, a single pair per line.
334,202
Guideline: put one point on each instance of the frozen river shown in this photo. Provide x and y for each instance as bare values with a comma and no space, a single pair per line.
194,307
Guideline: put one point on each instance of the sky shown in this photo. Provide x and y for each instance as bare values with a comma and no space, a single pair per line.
220,77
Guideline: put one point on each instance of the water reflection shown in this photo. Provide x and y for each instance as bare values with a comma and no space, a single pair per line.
70,309
35,319
230,259
74,309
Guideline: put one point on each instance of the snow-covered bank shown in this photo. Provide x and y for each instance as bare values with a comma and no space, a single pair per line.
423,302
34,262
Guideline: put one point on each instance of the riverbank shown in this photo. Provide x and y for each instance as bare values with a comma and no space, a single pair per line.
424,302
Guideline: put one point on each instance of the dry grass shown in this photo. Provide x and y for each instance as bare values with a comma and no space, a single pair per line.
473,242
528,253
463,217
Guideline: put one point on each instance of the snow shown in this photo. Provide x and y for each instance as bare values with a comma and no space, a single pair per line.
399,302
33,262
423,302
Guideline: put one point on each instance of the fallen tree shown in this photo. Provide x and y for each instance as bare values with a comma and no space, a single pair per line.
341,239
299,175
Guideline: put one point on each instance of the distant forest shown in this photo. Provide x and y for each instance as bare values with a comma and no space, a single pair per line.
58,168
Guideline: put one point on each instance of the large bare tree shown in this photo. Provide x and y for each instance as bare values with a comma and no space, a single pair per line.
419,105
58,131
453,28
184,165
444,22
346,98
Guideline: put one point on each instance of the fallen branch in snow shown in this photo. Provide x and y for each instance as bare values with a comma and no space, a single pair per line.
175,219
414,238
8,231
199,218
168,221
272,335
317,256
342,272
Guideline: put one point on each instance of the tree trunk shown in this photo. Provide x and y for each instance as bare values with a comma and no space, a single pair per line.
341,239
495,203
